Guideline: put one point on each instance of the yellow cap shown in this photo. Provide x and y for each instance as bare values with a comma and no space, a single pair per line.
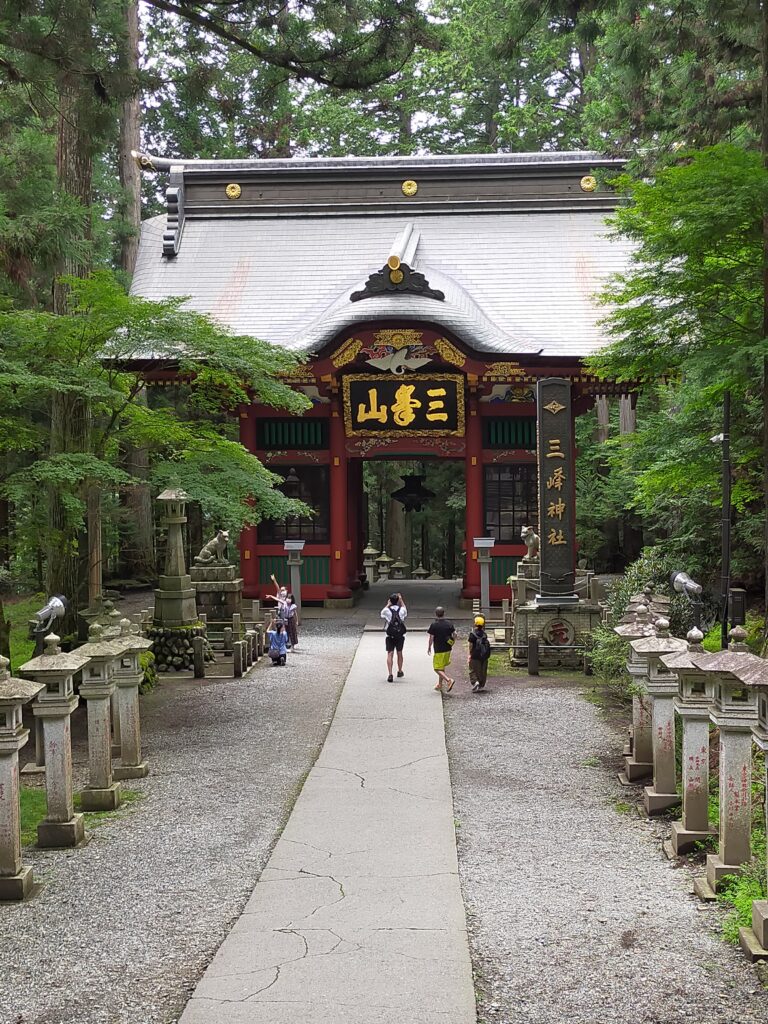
479,621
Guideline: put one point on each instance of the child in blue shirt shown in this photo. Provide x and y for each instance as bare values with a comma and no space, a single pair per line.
278,643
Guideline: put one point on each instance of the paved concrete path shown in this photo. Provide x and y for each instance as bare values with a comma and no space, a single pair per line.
358,916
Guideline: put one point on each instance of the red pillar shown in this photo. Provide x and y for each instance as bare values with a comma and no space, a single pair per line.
249,564
473,475
339,572
354,547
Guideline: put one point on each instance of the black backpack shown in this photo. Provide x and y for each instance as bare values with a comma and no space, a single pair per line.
482,647
395,626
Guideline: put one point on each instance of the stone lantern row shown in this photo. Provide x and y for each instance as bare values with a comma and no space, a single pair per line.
728,689
111,673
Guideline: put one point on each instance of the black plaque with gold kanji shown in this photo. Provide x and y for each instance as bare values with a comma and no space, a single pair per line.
392,405
557,480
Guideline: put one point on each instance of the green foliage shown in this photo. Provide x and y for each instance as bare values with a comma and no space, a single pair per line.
686,322
150,677
19,612
739,894
608,656
84,358
652,569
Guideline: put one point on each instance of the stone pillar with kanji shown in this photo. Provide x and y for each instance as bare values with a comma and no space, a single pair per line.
661,685
638,755
15,878
53,708
734,712
128,677
692,705
557,493
102,792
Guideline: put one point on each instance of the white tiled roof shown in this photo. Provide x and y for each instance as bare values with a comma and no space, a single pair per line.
514,282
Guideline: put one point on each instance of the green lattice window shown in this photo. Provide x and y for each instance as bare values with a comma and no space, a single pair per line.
316,569
510,432
291,433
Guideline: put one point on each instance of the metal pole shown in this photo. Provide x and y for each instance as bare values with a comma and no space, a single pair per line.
725,526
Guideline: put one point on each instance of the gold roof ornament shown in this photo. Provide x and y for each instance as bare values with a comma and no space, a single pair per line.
449,352
409,187
503,371
233,190
398,338
346,353
588,183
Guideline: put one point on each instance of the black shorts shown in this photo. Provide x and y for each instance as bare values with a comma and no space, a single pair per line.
394,643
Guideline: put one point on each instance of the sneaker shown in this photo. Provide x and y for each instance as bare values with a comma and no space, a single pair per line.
389,679
400,675
476,688
449,687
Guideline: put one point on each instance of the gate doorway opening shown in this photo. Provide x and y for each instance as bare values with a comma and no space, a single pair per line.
414,514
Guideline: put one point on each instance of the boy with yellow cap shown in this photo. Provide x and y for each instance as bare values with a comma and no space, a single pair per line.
479,655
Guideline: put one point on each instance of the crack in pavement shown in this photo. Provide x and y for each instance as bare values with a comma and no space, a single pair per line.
298,842
344,771
333,903
397,767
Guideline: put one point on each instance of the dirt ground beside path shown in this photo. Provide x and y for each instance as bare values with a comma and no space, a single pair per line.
123,928
573,912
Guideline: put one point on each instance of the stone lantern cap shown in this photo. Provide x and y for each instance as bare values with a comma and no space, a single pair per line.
680,661
98,649
384,557
738,675
370,552
661,643
53,662
173,494
741,667
16,691
132,639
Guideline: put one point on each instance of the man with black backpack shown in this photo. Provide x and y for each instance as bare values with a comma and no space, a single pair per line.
394,614
479,655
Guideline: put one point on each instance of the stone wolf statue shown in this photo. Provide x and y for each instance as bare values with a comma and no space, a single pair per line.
531,541
215,551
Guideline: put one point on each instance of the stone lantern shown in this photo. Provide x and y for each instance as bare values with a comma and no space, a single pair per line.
694,696
15,879
175,603
638,758
661,687
370,554
384,562
420,573
53,709
102,793
128,676
734,712
754,940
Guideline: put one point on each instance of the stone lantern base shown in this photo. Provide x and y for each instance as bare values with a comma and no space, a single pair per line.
173,649
219,593
16,887
754,940
106,799
54,835
685,839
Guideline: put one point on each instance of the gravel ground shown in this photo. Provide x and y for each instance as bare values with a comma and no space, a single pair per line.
574,913
123,928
